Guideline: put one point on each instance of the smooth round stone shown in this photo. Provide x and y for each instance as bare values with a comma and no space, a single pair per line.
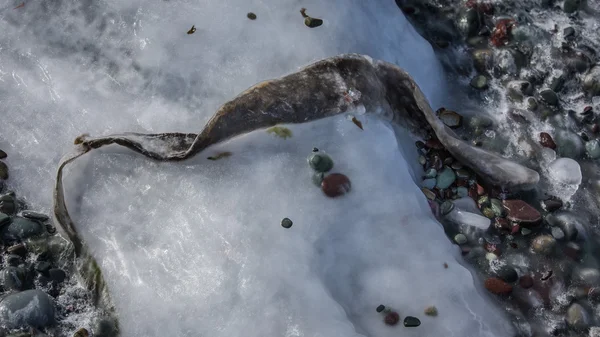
286,223
106,327
491,256
566,221
547,141
320,162
460,239
251,16
422,160
577,317
13,278
34,215
392,318
571,6
591,81
22,228
317,178
497,207
428,183
507,274
479,82
431,311
557,233
43,266
543,244
335,185
593,149
569,144
28,308
549,97
59,275
451,119
445,178
566,171
587,276
411,322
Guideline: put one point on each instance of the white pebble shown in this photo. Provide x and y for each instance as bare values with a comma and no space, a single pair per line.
565,171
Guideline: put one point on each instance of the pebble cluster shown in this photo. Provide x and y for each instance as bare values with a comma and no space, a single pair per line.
533,65
38,293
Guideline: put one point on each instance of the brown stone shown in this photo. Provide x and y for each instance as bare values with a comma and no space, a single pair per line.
552,205
521,212
547,141
502,224
335,185
18,249
497,286
526,281
434,144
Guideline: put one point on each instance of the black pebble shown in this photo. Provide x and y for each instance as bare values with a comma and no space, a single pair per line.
380,308
57,275
14,260
286,223
411,322
507,274
251,16
315,149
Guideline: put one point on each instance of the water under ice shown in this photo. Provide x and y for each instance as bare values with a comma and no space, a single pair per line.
196,248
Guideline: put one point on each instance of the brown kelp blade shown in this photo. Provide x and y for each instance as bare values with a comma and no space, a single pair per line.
315,92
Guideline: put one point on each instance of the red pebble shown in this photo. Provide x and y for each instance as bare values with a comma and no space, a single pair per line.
335,185
501,33
392,318
497,286
547,141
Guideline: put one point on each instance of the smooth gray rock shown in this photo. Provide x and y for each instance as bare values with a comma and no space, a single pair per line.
28,308
22,228
577,317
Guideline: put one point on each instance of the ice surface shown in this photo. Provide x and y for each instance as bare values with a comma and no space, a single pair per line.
565,171
196,248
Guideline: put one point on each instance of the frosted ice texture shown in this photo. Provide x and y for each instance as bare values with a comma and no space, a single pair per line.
196,248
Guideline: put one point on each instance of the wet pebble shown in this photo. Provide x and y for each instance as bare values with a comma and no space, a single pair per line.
431,311
28,308
13,278
335,185
392,318
317,178
3,154
286,223
411,322
320,162
557,233
497,286
591,81
593,148
430,173
446,207
549,97
507,274
451,118
576,317
57,275
547,141
587,276
460,239
251,16
551,205
445,178
543,244
521,212
479,82
429,183
571,6
22,228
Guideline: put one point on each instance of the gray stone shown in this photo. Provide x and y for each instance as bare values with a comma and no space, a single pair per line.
462,192
451,118
577,317
497,207
445,178
566,221
593,148
30,308
446,207
587,276
22,228
430,173
543,244
429,183
4,219
13,278
507,274
557,233
568,32
317,178
549,97
569,144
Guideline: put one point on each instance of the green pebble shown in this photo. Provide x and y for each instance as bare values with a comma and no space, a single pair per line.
479,82
497,207
411,322
430,173
445,178
320,162
312,22
460,239
488,213
593,149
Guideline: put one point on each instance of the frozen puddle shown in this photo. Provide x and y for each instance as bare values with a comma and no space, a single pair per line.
197,249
